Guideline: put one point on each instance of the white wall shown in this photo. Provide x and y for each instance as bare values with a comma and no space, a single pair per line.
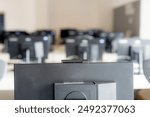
19,14
81,14
118,3
40,14
105,14
144,16
145,19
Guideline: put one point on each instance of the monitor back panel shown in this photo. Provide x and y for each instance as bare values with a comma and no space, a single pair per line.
36,81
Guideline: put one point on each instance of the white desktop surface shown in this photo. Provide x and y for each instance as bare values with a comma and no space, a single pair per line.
4,56
7,83
57,54
140,82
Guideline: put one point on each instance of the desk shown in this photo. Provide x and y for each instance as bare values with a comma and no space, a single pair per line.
56,55
143,94
7,86
5,57
140,82
7,83
109,57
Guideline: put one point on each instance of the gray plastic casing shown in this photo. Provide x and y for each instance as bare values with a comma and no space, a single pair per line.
36,81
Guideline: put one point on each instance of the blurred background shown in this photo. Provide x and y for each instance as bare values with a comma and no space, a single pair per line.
49,31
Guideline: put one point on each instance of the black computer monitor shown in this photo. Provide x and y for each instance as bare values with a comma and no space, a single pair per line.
71,47
96,49
13,47
131,50
47,43
110,38
94,32
36,81
86,48
15,33
12,43
49,33
76,46
127,46
28,43
67,33
83,49
18,45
